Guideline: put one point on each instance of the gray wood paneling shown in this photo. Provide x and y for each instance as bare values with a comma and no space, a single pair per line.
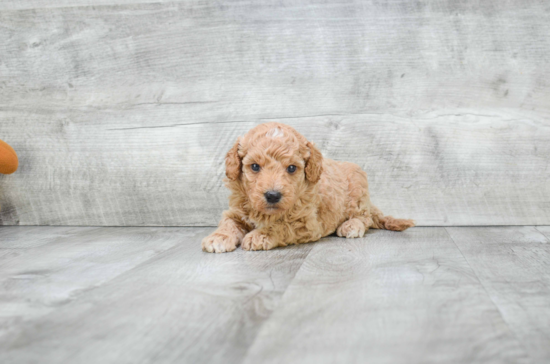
545,230
180,306
121,114
150,295
41,4
513,264
386,298
436,168
46,268
24,238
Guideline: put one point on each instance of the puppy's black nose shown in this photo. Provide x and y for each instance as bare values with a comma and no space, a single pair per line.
273,196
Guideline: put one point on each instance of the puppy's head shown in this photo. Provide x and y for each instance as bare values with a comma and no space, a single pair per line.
274,165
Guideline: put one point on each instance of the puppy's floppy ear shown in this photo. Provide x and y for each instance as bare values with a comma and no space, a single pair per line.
314,165
233,163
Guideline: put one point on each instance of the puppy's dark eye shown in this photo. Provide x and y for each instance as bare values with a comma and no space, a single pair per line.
291,169
255,167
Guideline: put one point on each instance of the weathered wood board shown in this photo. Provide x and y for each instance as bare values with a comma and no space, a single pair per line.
43,269
513,264
150,295
41,4
390,297
545,230
122,114
179,306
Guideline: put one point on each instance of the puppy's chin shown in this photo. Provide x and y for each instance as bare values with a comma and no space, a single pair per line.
269,209
272,210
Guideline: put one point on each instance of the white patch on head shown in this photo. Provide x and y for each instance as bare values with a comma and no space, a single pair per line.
275,133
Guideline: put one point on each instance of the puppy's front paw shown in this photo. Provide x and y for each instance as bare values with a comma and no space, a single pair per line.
352,228
220,243
255,240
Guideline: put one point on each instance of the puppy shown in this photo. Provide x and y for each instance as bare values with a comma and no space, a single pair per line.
284,192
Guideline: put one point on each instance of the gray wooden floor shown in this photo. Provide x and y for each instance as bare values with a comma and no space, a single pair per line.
150,295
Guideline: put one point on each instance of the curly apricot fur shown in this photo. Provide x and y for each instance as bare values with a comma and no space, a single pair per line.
321,197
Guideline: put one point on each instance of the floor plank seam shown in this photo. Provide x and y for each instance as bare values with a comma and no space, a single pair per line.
520,343
245,356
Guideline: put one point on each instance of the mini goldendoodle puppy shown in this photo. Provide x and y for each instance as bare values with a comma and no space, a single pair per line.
284,192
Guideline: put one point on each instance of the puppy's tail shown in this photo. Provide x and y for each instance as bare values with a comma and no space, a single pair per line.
379,221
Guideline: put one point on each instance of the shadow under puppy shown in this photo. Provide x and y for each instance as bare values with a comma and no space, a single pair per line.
284,192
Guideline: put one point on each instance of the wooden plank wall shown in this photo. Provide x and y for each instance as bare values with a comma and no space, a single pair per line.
122,111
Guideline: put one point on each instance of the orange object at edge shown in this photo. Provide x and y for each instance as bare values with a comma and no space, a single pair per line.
8,158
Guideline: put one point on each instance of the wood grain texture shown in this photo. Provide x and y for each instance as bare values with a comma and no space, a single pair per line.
181,306
24,238
122,114
46,268
390,297
41,4
150,295
439,169
545,230
513,264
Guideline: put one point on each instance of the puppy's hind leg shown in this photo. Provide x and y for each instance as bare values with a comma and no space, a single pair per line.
352,228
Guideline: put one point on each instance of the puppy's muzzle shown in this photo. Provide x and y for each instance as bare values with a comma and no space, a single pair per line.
273,196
